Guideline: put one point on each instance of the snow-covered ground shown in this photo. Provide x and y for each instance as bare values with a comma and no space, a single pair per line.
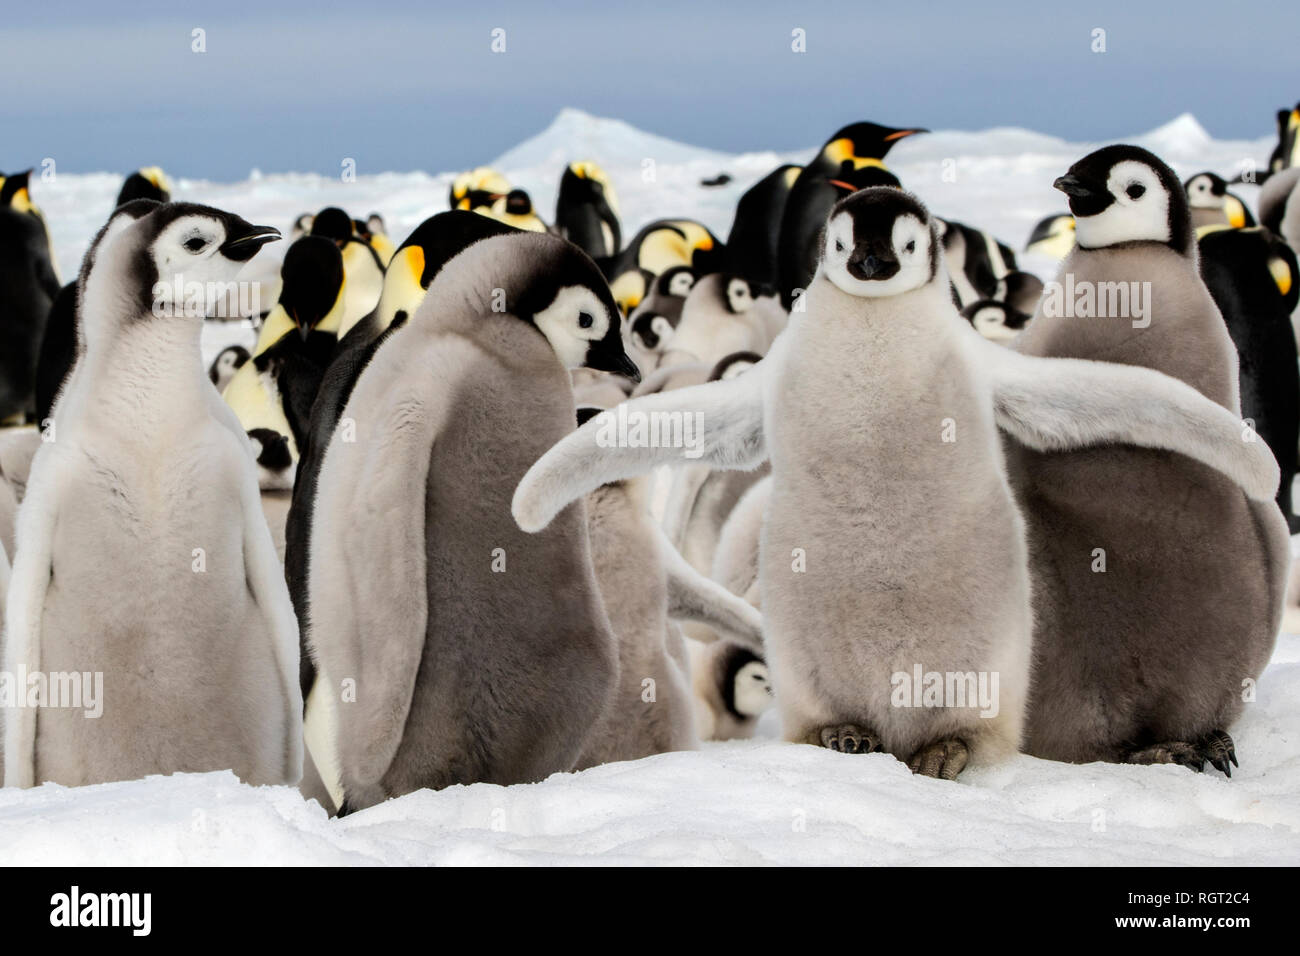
746,802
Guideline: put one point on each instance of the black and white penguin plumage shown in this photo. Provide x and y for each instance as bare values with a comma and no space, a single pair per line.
1211,204
842,158
586,211
28,287
996,321
1052,236
228,361
654,250
1253,278
148,182
753,245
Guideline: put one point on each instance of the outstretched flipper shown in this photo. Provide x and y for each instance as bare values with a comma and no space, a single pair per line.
693,597
1056,404
724,421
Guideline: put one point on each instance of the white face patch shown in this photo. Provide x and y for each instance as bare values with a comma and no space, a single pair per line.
187,258
574,320
681,284
990,322
753,689
739,298
1140,210
1200,193
910,240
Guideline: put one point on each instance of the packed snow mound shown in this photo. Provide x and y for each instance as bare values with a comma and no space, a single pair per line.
744,802
575,135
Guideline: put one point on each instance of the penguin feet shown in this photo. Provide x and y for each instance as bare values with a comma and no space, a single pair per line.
846,739
1172,751
1218,749
943,759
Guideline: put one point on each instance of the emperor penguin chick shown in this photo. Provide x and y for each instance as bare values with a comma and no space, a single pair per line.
1158,584
889,549
152,477
478,653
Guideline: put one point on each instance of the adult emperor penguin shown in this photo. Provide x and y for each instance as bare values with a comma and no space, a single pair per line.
1211,204
363,269
1158,584
855,153
477,189
586,211
276,388
1052,236
28,286
1252,276
656,248
1279,205
477,653
193,630
754,241
515,209
873,513
148,182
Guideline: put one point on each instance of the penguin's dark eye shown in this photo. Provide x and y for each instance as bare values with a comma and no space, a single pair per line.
839,246
910,247
585,320
196,244
1135,190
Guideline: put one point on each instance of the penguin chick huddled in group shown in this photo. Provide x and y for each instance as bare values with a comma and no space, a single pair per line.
650,326
910,524
477,653
723,314
852,159
228,361
1212,205
1158,580
151,477
647,588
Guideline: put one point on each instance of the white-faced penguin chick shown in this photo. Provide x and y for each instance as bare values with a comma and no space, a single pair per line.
228,361
1211,204
732,685
996,321
276,388
151,476
645,585
651,324
1158,584
876,509
477,652
725,314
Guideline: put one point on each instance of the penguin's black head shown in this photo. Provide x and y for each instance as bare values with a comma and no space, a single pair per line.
676,281
745,684
1206,190
729,366
995,320
272,449
737,293
565,296
312,280
14,191
1126,194
181,248
861,144
518,203
333,223
880,242
651,331
228,361
148,183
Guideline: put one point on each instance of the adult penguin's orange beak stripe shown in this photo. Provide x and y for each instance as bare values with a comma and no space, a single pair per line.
903,132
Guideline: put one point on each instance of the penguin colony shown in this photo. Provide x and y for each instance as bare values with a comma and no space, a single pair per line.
415,534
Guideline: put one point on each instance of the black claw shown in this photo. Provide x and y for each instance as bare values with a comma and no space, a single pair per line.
1232,755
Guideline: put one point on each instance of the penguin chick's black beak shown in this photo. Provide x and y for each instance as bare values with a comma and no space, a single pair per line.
244,239
867,261
1086,198
607,355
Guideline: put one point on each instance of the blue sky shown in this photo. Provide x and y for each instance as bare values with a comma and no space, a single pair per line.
407,85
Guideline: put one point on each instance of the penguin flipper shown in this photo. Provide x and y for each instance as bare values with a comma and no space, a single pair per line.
693,597
1056,404
28,582
367,574
725,424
